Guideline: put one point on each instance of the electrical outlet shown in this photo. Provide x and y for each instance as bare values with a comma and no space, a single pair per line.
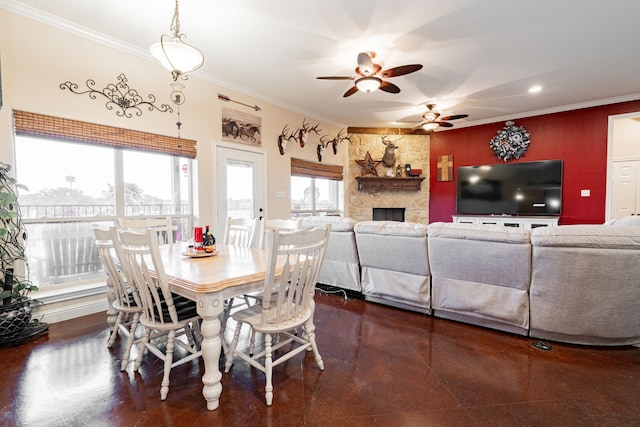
279,193
585,193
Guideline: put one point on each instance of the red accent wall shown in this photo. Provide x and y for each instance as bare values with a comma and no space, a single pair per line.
577,137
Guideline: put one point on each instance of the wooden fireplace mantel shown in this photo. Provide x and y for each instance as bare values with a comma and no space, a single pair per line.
372,183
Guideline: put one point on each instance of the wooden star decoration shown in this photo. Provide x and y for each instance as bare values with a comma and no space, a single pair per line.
368,165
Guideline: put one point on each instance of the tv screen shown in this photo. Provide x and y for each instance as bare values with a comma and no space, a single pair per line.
528,188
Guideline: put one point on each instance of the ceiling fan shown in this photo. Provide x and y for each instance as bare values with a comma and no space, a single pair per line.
369,75
432,119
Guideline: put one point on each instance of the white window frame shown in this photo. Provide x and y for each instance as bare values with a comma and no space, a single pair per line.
95,283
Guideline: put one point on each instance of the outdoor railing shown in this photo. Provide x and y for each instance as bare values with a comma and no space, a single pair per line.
61,244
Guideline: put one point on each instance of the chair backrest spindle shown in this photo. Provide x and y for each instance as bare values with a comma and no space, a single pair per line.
142,254
242,232
303,252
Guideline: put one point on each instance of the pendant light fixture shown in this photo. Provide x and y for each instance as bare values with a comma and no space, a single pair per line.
176,55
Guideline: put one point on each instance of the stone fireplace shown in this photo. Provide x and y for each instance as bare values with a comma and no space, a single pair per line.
412,149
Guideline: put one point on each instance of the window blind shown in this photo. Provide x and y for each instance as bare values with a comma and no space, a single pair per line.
40,125
301,167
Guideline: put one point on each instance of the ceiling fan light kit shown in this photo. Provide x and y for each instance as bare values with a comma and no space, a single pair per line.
174,54
368,84
430,126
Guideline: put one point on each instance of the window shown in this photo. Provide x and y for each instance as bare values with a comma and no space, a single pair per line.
316,189
74,185
315,196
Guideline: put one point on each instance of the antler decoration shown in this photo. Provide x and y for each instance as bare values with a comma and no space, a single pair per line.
119,95
284,138
302,134
338,139
322,146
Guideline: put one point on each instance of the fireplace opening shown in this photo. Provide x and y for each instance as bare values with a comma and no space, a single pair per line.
388,214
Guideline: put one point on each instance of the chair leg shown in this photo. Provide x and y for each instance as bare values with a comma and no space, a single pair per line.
168,361
115,329
142,346
309,332
130,340
268,369
232,347
197,334
252,342
226,312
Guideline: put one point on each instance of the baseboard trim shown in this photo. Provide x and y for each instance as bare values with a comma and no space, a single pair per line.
73,302
51,314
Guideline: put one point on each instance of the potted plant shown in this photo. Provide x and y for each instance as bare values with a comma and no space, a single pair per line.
15,304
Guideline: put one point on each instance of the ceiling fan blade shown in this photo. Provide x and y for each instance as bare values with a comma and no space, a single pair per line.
445,124
335,78
350,92
365,64
401,70
389,87
455,117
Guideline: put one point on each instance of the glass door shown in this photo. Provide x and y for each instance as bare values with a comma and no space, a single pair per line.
240,187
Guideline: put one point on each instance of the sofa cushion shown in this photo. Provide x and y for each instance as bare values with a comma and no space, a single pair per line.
337,223
481,232
588,236
391,228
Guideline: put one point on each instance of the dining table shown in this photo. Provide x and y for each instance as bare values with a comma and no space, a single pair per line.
209,280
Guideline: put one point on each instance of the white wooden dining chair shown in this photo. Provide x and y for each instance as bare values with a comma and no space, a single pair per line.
267,225
275,224
164,313
287,304
162,226
242,232
126,300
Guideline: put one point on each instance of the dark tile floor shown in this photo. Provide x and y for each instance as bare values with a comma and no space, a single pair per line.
384,367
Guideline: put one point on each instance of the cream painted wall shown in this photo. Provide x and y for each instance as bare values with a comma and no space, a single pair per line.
36,58
626,139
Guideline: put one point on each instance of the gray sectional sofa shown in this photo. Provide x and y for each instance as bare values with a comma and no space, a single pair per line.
578,284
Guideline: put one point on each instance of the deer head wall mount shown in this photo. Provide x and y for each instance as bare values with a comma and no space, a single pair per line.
340,137
302,134
283,139
389,158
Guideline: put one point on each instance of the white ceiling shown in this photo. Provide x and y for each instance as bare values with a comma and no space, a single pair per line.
480,56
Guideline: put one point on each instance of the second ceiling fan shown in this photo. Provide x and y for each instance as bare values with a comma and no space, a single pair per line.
432,120
369,75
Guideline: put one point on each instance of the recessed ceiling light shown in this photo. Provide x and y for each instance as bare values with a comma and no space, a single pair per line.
534,89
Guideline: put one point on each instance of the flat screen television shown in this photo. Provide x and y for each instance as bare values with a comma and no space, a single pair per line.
527,188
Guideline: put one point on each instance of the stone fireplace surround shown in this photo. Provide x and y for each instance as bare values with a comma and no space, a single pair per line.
413,149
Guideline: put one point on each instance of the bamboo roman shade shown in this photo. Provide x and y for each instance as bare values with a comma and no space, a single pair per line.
301,167
40,125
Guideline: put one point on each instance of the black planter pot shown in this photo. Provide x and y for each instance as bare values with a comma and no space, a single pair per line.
14,317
